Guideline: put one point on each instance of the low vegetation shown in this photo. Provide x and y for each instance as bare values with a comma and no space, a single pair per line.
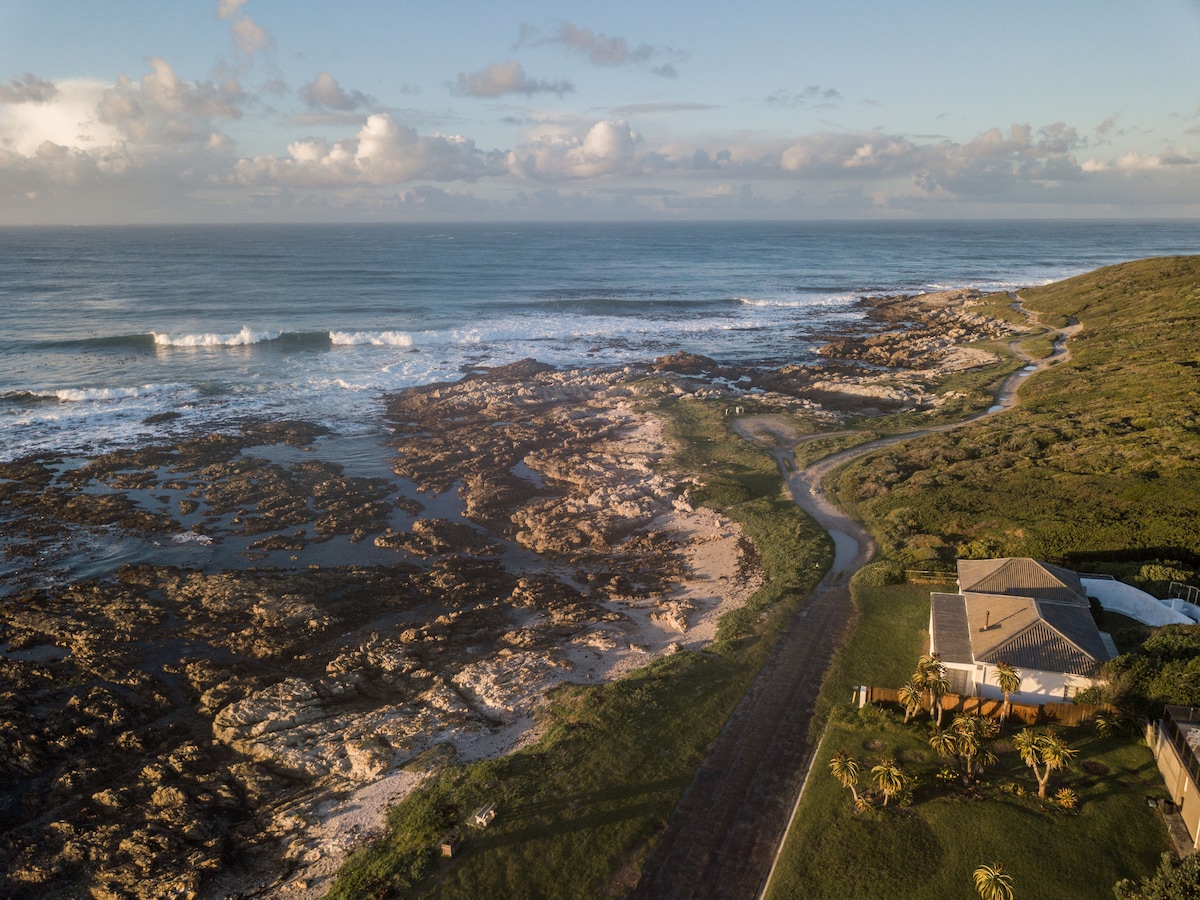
1099,481
1084,479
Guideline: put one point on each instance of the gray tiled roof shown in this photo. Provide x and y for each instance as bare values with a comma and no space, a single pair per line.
950,638
1019,611
1022,577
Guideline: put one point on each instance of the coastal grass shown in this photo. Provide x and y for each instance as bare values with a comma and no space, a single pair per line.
1096,469
578,812
1098,463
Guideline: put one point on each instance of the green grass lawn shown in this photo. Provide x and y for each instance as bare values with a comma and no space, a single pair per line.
930,848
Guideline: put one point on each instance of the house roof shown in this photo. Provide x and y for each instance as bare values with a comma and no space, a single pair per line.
1033,634
950,637
1028,614
1022,577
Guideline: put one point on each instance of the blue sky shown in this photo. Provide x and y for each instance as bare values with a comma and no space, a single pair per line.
289,110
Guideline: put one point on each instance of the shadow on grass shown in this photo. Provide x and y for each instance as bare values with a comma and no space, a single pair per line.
577,812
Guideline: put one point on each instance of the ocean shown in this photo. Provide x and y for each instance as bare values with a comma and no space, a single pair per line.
104,330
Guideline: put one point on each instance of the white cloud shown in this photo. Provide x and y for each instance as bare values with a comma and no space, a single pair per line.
69,120
324,92
500,79
227,8
162,107
607,148
383,152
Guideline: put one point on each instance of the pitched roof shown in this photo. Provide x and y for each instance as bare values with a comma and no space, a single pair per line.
1030,634
949,635
1022,577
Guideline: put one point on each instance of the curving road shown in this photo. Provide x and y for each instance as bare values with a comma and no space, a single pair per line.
723,837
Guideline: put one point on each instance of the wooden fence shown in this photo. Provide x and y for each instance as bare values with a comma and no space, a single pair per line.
1043,714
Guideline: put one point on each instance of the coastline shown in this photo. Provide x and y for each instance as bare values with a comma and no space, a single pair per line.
539,537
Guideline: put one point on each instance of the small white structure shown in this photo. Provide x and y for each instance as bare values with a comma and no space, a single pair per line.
1028,614
483,816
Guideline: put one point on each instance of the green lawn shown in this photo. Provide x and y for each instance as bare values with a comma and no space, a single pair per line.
930,848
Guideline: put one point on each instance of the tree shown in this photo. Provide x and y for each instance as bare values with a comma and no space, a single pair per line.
845,769
966,740
993,883
911,699
889,778
1174,880
939,687
1009,681
930,677
1046,749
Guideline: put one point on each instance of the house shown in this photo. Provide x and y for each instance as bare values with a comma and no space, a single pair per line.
1175,740
1029,614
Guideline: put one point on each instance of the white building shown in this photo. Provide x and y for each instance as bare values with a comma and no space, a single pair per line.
1029,614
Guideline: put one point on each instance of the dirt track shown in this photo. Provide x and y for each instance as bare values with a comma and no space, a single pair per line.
723,836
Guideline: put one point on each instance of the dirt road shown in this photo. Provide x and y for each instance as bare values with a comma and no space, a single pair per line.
722,838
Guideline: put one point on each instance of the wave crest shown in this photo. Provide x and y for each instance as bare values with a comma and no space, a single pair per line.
243,338
373,338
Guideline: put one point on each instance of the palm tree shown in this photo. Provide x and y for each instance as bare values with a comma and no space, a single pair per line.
1046,749
966,740
943,743
889,777
993,883
911,699
939,687
845,769
1009,680
930,677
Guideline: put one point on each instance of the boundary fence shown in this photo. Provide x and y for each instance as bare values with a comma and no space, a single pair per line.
1043,714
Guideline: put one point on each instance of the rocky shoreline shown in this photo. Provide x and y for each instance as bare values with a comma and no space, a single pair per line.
234,727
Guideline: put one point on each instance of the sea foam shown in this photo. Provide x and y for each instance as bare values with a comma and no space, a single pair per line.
373,338
243,338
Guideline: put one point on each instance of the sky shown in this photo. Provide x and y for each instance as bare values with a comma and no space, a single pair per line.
144,111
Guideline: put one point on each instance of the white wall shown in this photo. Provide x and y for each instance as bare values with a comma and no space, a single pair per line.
1129,601
1036,687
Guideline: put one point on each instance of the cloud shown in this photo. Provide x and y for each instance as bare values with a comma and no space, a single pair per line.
324,92
383,152
607,148
249,36
500,79
227,8
812,97
163,108
600,49
31,89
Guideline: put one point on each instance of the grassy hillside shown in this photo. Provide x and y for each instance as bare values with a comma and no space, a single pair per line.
1100,463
